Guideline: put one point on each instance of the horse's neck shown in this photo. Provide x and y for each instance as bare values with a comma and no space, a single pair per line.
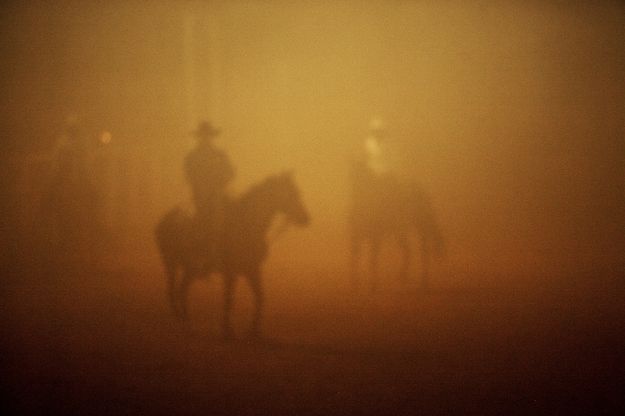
256,211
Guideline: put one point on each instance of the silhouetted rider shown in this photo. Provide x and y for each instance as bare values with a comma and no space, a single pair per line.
375,153
208,171
72,198
371,170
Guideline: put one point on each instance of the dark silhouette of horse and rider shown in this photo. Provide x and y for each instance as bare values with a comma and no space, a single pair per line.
384,207
69,213
227,235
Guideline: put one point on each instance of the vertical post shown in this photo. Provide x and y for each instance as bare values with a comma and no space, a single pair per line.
215,63
203,47
189,22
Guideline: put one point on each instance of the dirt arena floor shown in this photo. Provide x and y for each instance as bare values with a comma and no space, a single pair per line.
103,342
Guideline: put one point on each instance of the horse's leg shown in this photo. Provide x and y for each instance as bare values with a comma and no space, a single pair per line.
228,294
425,263
354,261
183,293
373,262
254,279
170,270
404,245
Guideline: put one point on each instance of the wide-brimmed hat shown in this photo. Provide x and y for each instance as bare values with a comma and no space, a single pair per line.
205,130
377,125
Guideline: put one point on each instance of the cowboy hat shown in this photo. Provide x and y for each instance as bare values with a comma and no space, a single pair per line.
205,130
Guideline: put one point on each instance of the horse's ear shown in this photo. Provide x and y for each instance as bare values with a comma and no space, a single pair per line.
286,174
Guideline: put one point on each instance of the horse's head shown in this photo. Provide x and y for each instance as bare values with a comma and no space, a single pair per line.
288,200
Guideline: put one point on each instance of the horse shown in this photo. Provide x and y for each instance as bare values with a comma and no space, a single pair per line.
383,207
243,245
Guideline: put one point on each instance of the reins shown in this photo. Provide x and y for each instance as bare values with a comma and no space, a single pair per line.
280,230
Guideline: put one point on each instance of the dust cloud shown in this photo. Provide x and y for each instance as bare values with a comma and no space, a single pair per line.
507,115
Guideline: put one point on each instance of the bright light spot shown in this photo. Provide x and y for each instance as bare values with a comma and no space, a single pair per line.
376,124
105,137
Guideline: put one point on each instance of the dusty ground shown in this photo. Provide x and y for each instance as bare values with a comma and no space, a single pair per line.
103,342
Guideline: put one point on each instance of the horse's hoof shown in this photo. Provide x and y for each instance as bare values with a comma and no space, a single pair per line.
254,335
228,335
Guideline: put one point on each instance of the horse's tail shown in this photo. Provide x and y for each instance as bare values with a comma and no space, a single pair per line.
164,234
170,234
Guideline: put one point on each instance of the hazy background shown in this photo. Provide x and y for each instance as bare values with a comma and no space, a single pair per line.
510,113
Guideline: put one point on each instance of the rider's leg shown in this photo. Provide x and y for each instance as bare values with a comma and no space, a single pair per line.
354,260
205,235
